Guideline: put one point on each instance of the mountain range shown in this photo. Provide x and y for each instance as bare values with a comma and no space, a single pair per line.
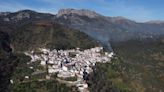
138,45
102,28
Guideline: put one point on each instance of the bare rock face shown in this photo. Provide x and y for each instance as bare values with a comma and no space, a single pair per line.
81,12
4,13
6,19
7,16
21,16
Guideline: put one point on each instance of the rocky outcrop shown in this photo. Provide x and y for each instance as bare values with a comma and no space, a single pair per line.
21,16
4,13
81,12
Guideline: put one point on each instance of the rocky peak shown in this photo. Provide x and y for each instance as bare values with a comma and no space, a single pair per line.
22,14
81,12
119,18
4,13
15,16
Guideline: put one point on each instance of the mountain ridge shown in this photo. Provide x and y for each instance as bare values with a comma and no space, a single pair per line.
102,28
80,12
77,11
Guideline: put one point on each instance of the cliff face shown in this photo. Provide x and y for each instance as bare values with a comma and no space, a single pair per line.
23,16
82,12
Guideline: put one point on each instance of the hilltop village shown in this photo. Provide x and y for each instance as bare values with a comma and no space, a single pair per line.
72,63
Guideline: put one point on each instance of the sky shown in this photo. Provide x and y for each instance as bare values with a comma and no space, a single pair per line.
138,10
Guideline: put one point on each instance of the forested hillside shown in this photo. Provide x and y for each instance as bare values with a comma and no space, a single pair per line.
146,58
51,35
